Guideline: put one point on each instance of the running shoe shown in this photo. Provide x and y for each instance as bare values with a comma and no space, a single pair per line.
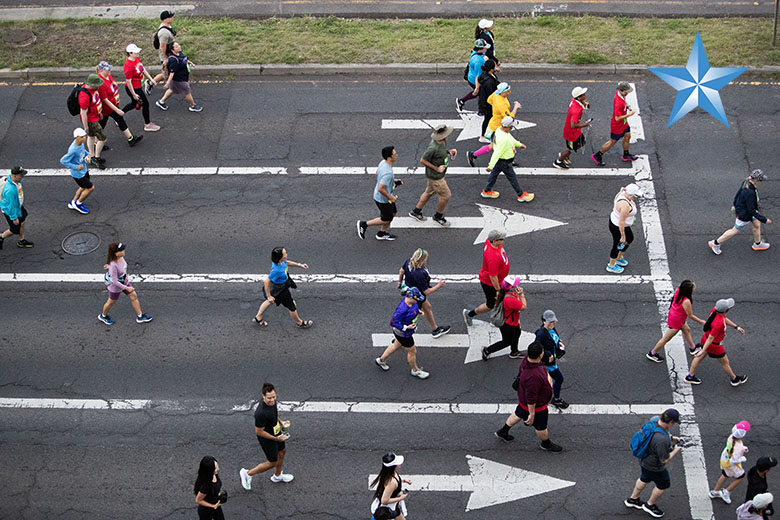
560,403
284,477
622,262
24,243
81,208
198,108
492,194
652,356
443,222
725,494
761,246
504,437
633,502
629,156
143,318
739,380
151,127
695,350
471,159
615,269
597,159
485,354
567,162
422,374
458,105
440,331
551,447
72,205
715,247
468,319
417,215
715,494
134,140
525,197
105,319
147,87
382,235
381,364
652,510
515,355
484,140
361,229
560,164
246,479
162,104
692,380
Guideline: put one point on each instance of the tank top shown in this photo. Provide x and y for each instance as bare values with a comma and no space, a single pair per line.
614,217
381,491
676,311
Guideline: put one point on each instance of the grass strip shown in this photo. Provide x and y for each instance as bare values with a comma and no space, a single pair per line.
543,39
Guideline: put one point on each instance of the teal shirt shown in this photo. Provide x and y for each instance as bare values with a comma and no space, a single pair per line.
10,202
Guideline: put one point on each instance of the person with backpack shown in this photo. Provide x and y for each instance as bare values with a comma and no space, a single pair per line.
179,79
714,332
91,112
77,161
652,445
109,97
473,69
746,209
163,41
554,348
731,460
513,301
134,75
12,206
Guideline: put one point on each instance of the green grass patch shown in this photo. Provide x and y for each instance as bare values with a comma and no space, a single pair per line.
543,39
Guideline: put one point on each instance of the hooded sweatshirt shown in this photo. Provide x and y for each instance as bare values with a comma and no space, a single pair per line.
534,385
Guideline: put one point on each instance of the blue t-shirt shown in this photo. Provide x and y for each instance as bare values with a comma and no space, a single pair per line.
75,157
419,278
278,274
556,339
475,66
384,175
404,315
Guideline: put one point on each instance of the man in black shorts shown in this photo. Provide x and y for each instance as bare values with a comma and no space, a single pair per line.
534,392
271,434
572,129
12,206
383,197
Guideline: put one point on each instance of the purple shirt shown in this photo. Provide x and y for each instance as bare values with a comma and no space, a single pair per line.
404,315
117,270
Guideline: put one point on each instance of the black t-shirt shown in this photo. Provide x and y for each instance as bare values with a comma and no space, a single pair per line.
211,490
267,418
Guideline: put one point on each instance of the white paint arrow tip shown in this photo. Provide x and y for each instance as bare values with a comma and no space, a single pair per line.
511,222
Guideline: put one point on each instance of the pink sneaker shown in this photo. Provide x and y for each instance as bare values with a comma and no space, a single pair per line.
151,127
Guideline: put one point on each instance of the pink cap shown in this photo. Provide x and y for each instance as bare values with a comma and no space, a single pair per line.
743,425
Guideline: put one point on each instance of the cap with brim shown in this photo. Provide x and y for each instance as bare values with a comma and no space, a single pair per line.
625,86
104,65
481,44
79,132
578,91
762,500
166,14
764,463
510,282
120,247
18,170
94,81
496,234
508,121
673,415
415,294
133,48
633,189
549,316
441,132
502,87
724,304
391,459
485,23
758,175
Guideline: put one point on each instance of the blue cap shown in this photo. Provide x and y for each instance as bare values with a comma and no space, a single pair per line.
414,292
481,44
502,87
103,65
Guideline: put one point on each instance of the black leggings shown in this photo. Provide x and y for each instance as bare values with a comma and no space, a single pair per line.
615,230
144,100
120,121
487,113
471,94
206,513
510,336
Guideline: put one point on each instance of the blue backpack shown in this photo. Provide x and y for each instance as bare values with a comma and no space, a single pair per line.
641,439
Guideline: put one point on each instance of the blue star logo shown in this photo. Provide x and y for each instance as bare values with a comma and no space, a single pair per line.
698,84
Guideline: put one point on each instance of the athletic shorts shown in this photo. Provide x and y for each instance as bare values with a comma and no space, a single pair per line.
438,187
540,417
733,472
405,342
576,145
387,210
180,87
284,298
115,295
16,228
95,130
659,478
618,137
84,182
271,448
490,294
741,224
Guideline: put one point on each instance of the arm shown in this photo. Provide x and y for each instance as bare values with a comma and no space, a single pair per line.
579,125
494,281
83,114
735,326
425,162
624,209
113,106
383,190
129,85
476,86
704,347
297,264
69,160
260,432
434,288
113,272
401,275
672,453
267,287
686,305
200,499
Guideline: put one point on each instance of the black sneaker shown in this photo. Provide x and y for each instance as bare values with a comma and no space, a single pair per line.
515,355
628,156
504,437
443,222
560,403
597,157
633,502
560,165
693,380
738,380
485,355
471,158
361,229
133,140
652,356
385,236
551,447
97,164
695,350
652,510
417,215
27,243
440,331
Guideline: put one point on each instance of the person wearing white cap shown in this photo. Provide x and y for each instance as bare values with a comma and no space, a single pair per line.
484,31
619,128
473,69
755,509
714,332
572,129
77,160
501,161
389,492
746,210
134,75
624,210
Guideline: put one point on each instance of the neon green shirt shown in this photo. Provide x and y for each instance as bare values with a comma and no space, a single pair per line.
503,147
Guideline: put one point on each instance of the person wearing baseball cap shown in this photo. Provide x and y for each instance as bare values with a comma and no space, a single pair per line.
712,339
731,459
436,158
495,268
502,161
390,496
484,31
12,206
554,348
164,38
477,58
624,210
513,299
404,324
572,129
756,479
746,210
135,73
759,508
77,161
499,101
619,128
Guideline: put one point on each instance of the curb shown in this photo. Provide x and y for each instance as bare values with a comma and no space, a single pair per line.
248,70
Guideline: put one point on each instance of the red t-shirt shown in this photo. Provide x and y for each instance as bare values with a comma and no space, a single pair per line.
110,91
494,263
573,115
91,103
512,308
718,332
134,71
620,108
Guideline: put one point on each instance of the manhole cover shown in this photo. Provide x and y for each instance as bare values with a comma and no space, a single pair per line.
19,38
81,243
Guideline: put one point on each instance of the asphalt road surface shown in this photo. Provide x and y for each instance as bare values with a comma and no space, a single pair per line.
183,385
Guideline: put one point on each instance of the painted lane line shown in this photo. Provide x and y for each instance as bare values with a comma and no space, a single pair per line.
512,222
222,407
469,121
489,483
252,170
199,170
562,279
110,12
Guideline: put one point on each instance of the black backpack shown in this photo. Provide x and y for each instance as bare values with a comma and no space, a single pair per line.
156,41
73,99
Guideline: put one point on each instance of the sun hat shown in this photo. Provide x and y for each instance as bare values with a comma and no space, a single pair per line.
391,459
79,132
724,304
503,87
762,500
133,48
485,23
633,189
578,91
441,132
94,81
481,44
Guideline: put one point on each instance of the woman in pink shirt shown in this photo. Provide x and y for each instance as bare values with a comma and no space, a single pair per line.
117,282
680,311
513,297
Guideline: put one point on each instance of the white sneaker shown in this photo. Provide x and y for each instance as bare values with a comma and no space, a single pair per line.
422,374
72,204
284,477
715,247
725,495
381,364
715,494
484,140
246,479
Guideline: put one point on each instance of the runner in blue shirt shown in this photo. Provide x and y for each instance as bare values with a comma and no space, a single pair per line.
383,197
477,58
404,323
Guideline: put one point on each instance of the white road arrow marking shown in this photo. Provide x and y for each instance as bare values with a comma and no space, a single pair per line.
481,334
511,222
490,483
470,122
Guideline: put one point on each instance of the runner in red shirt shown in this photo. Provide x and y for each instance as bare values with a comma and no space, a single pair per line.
134,74
714,332
619,128
495,267
109,97
572,130
91,113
